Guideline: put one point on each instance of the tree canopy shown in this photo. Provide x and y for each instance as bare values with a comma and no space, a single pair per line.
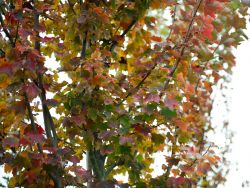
134,78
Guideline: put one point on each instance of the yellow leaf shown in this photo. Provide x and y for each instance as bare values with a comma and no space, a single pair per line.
12,182
4,81
96,55
7,168
2,105
130,66
172,61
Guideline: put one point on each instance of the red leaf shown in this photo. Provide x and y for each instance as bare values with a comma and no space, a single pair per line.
24,142
6,68
208,26
11,141
171,103
140,128
32,90
190,89
35,137
212,7
51,102
152,98
176,182
202,168
81,19
125,139
40,130
183,125
74,159
207,31
78,119
79,171
156,39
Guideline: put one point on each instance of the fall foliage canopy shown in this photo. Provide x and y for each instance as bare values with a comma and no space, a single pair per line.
133,78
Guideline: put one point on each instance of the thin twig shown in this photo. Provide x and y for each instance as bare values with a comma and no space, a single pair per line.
205,66
178,60
114,42
135,89
17,28
172,153
174,19
196,159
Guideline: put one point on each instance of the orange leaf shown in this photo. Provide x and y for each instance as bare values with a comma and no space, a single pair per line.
156,39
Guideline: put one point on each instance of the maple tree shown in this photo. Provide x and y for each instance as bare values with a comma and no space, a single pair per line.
134,84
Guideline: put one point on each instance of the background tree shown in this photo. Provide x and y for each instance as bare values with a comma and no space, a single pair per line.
137,84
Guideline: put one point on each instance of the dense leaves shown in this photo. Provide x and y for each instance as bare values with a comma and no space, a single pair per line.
110,83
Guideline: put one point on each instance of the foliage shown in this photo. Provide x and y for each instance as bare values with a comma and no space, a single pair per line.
137,84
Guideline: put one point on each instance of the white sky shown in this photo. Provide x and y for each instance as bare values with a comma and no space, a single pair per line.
238,117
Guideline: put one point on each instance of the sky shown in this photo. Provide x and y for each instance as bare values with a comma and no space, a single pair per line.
238,117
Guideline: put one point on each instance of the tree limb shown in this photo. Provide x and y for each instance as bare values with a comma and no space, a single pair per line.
6,31
111,167
71,6
199,79
114,42
174,19
178,60
48,120
32,120
84,46
16,36
135,89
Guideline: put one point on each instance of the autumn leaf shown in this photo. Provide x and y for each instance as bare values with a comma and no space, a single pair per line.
6,68
11,141
114,83
31,90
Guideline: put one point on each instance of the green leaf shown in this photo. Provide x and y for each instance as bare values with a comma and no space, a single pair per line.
113,3
124,120
235,5
168,113
124,149
92,114
157,139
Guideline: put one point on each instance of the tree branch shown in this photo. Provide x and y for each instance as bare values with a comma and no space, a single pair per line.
195,160
111,167
32,120
199,79
16,36
114,42
48,120
172,154
178,60
174,19
135,89
6,31
71,6
2,53
84,46
97,163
